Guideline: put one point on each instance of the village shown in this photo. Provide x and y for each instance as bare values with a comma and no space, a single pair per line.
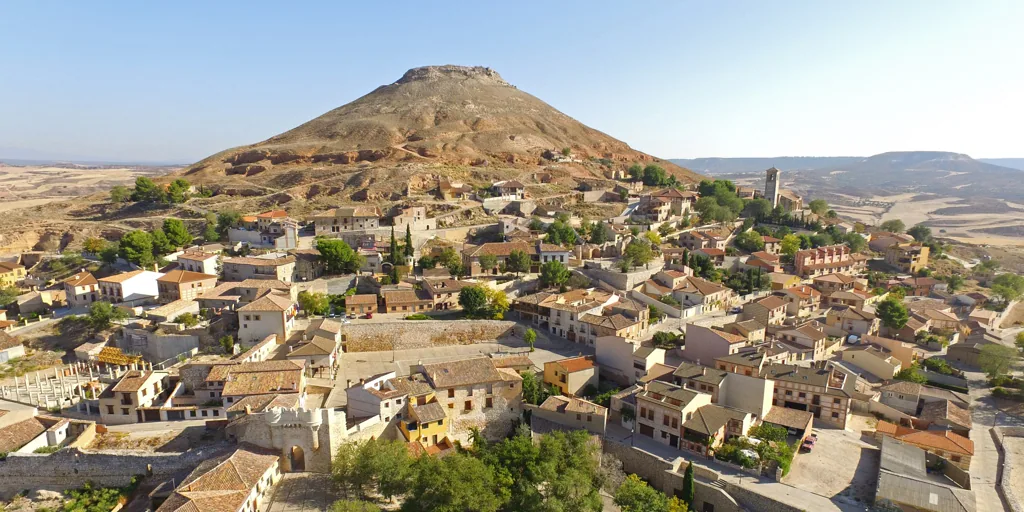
756,349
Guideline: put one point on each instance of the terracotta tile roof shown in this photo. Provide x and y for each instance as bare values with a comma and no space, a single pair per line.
853,313
132,381
324,324
699,373
803,292
260,403
194,255
790,418
81,279
835,278
272,214
506,248
7,266
240,471
361,299
709,419
259,383
771,302
616,322
946,410
270,302
274,284
352,211
711,251
220,372
770,239
929,439
564,404
728,336
809,331
428,413
668,395
702,287
403,296
512,361
318,346
576,364
120,278
462,373
260,262
184,276
16,435
766,256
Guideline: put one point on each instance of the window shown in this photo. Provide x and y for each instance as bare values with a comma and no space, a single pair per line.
675,423
451,406
144,391
579,417
643,412
110,409
247,317
256,317
451,393
664,420
124,411
955,458
802,395
489,403
664,434
211,394
835,415
192,414
398,401
468,405
835,401
589,417
789,393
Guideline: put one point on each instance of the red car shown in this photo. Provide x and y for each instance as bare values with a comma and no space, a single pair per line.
807,445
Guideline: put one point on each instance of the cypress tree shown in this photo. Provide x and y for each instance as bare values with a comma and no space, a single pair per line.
408,241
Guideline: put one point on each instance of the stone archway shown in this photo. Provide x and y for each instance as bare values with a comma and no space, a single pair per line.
297,459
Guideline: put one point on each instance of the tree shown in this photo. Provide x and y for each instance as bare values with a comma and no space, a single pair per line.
137,247
427,262
553,273
94,245
518,262
653,237
449,259
210,228
1019,340
688,489
226,220
561,233
818,206
821,240
856,242
458,482
473,300
176,233
759,209
488,262
146,190
996,359
177,191
530,337
1009,286
314,303
109,254
639,252
227,342
921,233
338,256
353,506
911,373
599,233
566,151
161,245
768,432
497,303
534,391
790,245
393,254
409,249
120,194
8,294
893,226
750,241
189,320
664,230
103,314
636,172
893,313
655,176
634,495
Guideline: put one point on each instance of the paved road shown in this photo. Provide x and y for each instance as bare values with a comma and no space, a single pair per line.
986,462
302,492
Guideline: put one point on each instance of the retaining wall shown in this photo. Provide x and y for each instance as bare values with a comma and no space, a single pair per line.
71,468
622,281
411,334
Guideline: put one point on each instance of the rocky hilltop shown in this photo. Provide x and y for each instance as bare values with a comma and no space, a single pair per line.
453,115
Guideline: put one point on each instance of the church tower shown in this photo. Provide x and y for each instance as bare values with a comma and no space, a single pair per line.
771,186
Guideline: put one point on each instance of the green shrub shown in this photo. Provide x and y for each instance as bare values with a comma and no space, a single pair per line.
46,449
418,316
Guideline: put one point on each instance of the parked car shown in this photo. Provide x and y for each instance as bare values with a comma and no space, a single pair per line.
368,316
807,445
735,310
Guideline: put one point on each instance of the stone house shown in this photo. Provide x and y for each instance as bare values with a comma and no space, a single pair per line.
444,293
624,360
413,218
406,301
82,289
712,425
571,414
271,314
772,245
135,398
874,359
911,397
10,347
361,304
475,393
852,320
281,268
184,285
426,424
509,189
11,274
901,350
538,252
308,265
808,337
241,482
351,218
693,240
232,382
801,300
956,449
572,375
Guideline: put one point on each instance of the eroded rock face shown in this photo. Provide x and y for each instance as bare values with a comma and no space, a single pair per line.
249,157
431,73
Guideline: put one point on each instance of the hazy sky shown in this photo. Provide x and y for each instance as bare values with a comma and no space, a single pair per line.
177,81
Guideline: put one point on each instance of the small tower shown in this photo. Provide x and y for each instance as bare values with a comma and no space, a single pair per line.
771,186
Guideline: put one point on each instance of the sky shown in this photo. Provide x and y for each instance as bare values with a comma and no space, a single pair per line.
178,81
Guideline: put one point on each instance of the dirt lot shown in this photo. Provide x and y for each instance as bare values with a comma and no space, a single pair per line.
177,440
842,463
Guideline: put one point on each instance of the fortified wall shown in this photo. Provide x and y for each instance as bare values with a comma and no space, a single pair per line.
412,334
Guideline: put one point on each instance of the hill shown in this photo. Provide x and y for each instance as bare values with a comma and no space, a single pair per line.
436,119
716,166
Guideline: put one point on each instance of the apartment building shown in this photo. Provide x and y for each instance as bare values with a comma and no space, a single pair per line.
134,397
821,390
829,259
582,316
909,258
770,310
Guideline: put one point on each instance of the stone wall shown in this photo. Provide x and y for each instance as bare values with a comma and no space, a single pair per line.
751,500
71,468
1014,497
408,334
627,281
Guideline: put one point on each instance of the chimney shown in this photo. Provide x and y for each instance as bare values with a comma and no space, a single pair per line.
362,382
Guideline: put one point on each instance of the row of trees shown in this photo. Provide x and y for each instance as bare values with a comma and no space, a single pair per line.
143,248
177,192
561,472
